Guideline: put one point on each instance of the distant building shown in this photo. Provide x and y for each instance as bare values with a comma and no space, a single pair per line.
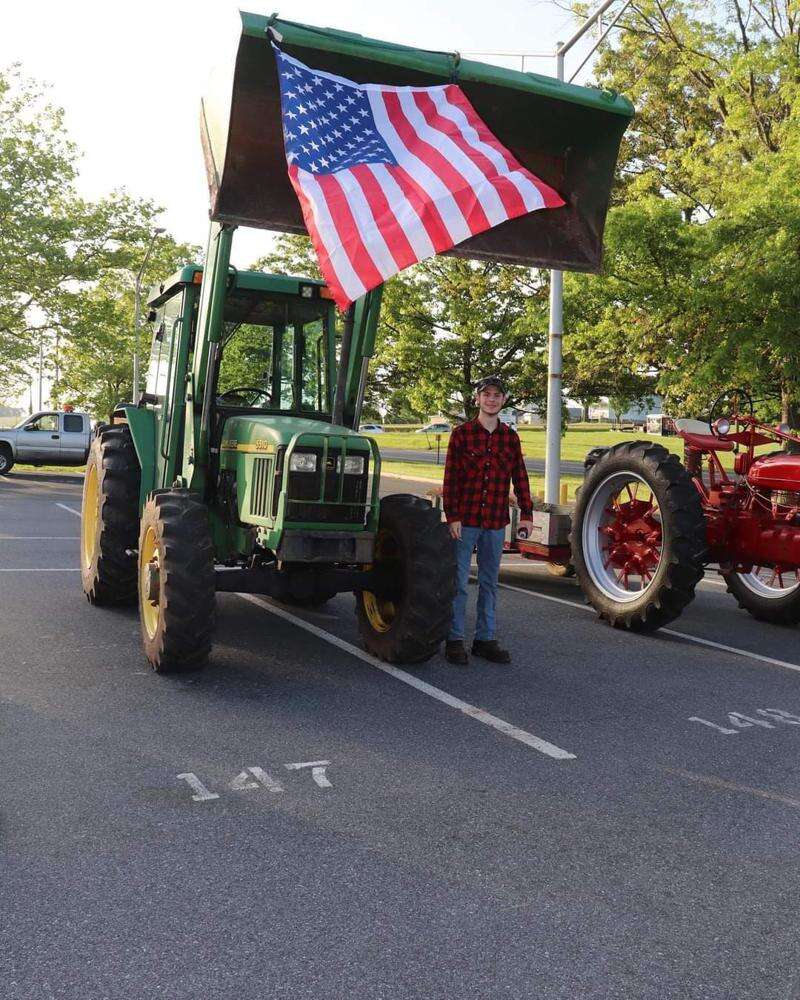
635,414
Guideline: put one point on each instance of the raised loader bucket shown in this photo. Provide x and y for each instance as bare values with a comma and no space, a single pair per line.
568,136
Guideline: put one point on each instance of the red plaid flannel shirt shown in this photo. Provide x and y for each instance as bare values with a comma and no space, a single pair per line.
477,473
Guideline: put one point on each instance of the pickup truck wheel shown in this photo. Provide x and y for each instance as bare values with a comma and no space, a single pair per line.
638,536
110,518
415,546
176,582
6,460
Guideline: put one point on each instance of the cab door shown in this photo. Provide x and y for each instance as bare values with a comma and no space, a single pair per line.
39,440
73,437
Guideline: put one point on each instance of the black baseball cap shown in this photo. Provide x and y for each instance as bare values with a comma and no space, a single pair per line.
494,380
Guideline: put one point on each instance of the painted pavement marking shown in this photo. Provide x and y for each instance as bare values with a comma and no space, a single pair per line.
521,735
771,660
72,510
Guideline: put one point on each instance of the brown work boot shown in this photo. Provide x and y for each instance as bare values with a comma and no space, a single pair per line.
490,649
455,652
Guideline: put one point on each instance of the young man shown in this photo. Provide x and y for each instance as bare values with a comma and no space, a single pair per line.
483,456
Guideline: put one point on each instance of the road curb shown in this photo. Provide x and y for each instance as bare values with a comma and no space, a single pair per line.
48,477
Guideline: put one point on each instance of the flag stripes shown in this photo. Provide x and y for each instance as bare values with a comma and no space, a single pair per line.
388,176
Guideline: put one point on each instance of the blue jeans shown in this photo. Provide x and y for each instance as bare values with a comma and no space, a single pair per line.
489,543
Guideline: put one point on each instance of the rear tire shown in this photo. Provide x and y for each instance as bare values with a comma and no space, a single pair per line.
752,593
657,536
176,582
415,545
110,518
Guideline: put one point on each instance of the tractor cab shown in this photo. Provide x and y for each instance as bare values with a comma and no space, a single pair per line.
277,464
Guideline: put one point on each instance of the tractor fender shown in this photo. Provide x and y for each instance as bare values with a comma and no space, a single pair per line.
142,424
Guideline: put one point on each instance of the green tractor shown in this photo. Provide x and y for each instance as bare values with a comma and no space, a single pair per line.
241,468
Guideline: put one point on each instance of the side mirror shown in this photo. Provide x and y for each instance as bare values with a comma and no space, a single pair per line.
30,427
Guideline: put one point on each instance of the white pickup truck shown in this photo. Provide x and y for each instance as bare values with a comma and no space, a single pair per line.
51,437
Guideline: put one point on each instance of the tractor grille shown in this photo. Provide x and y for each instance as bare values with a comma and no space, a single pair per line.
305,486
259,502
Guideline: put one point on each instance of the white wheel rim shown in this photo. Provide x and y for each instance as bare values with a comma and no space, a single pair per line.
607,576
770,582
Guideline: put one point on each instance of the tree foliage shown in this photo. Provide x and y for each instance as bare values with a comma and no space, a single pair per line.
65,262
701,286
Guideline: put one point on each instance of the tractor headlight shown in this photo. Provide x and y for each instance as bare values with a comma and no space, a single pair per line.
722,426
353,465
302,462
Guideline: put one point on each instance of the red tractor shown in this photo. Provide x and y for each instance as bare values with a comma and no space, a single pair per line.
645,525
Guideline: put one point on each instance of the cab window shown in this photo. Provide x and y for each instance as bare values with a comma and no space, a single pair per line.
274,353
46,422
73,424
165,330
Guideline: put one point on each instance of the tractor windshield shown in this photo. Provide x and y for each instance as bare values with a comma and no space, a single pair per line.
274,353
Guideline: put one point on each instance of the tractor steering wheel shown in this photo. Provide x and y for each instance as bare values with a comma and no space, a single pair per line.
730,404
249,394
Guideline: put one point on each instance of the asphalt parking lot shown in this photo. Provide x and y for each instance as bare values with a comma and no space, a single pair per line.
613,816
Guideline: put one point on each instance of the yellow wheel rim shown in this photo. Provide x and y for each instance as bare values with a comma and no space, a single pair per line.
149,581
90,516
379,612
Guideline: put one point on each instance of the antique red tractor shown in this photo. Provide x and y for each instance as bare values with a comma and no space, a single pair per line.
646,525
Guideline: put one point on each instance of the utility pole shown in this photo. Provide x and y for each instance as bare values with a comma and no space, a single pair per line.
552,473
552,462
137,311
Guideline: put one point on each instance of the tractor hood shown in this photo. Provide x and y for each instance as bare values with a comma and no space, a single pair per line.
263,435
567,135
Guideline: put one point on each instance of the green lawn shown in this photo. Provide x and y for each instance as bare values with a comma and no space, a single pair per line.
578,440
435,473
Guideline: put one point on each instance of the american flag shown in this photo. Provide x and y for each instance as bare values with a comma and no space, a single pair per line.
387,176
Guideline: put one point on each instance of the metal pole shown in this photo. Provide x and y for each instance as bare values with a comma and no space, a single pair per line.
137,311
41,338
344,364
552,462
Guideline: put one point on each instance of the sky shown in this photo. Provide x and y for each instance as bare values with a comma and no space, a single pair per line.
130,77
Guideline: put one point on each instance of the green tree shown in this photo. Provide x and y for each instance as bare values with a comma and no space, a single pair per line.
444,324
54,244
700,285
96,321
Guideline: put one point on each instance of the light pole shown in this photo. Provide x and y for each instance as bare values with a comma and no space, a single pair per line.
136,311
552,466
552,460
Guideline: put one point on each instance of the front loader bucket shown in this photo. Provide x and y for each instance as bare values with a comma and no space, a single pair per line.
567,135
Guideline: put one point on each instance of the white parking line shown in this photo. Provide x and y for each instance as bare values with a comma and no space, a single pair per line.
38,538
72,510
535,742
40,569
668,631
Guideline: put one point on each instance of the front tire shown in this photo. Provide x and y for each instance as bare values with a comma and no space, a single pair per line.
110,518
415,547
638,536
6,460
768,594
176,582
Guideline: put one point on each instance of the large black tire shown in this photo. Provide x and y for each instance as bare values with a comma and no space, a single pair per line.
777,609
667,538
6,459
110,518
416,547
176,582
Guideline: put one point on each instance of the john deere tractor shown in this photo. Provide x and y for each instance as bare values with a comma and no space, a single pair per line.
241,468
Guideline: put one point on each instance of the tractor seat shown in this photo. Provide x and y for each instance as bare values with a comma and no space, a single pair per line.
697,434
